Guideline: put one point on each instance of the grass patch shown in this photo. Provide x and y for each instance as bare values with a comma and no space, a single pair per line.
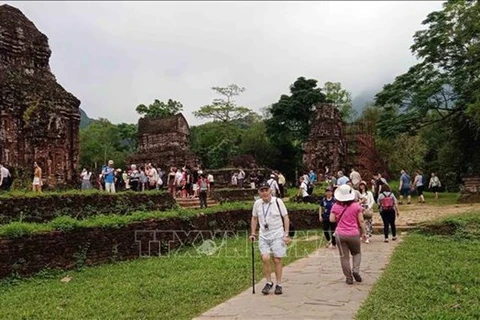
431,276
180,286
66,223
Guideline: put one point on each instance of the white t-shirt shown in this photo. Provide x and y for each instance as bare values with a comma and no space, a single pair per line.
4,172
269,212
304,188
370,200
241,175
210,178
153,174
178,177
355,177
86,175
273,185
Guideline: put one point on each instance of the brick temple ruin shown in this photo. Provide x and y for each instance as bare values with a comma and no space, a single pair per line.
339,146
164,142
39,119
326,144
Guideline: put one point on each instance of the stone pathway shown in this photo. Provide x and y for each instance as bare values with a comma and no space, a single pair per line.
314,288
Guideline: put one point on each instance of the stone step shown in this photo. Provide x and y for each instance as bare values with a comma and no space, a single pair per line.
194,203
187,201
197,205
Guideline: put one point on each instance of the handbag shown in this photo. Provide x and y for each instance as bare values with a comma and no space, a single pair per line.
367,213
338,221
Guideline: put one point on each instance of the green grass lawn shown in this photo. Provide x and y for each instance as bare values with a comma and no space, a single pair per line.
179,286
431,277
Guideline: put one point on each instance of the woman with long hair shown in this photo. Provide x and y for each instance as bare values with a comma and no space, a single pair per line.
367,202
347,213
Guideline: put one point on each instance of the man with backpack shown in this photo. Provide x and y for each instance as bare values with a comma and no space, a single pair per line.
387,204
273,235
274,188
203,189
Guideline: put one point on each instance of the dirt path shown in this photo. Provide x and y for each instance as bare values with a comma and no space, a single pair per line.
416,213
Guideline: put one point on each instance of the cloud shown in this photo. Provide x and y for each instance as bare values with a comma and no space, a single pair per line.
116,55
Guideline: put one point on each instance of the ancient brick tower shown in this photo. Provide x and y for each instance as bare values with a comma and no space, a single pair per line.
326,143
164,142
39,119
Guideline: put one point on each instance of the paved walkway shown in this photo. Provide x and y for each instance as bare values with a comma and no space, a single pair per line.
314,288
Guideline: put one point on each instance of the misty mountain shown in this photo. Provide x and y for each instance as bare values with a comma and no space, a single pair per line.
361,100
84,119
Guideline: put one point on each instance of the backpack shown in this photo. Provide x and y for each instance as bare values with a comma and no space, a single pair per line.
291,230
387,202
203,185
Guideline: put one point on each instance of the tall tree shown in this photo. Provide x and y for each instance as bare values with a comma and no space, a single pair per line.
129,135
99,142
255,142
206,137
446,81
160,109
224,109
341,99
289,123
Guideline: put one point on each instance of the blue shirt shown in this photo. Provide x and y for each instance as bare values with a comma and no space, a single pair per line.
342,180
327,206
313,177
405,178
109,175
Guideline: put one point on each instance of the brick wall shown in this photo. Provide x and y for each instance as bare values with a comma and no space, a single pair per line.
92,246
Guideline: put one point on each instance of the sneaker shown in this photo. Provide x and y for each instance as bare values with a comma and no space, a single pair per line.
386,240
349,281
394,238
278,289
367,241
357,277
267,288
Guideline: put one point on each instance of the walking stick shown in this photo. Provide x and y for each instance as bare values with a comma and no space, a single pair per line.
253,270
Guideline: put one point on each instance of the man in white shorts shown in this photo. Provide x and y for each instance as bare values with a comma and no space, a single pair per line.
273,236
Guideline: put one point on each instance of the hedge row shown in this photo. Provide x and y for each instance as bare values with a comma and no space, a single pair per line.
46,207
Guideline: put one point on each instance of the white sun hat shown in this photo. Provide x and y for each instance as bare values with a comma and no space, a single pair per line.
344,193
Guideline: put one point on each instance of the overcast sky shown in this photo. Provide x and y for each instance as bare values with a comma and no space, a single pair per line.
116,55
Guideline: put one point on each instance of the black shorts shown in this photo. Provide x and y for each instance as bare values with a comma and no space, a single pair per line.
405,192
420,190
435,189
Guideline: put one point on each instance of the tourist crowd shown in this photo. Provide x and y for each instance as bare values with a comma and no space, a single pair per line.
345,213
